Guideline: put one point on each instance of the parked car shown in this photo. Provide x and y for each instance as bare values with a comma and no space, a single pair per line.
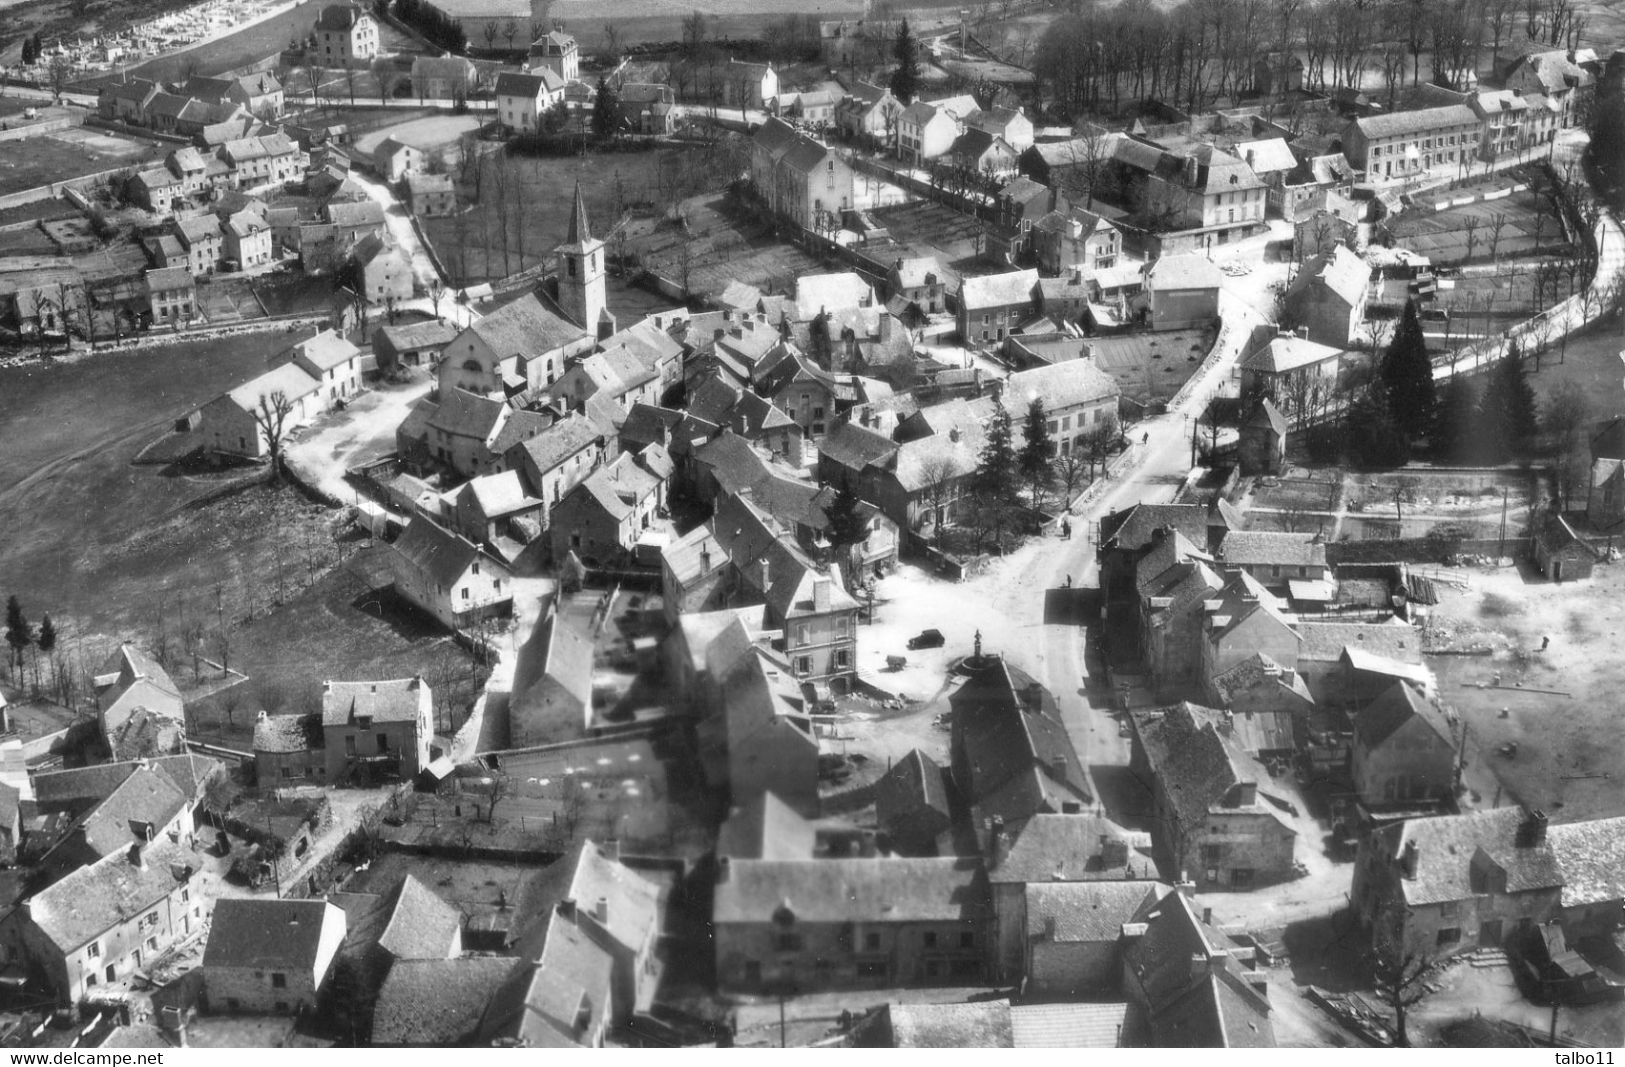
926,639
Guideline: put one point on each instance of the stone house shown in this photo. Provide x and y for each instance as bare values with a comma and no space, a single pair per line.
247,240
1262,448
911,805
394,160
1328,296
1405,749
1560,553
228,422
558,52
522,342
431,195
848,924
558,459
1405,144
919,281
443,77
1076,238
1274,558
1213,819
383,270
386,727
346,36
171,295
1173,582
1074,932
1242,620
289,748
447,575
269,956
992,306
602,518
1078,398
1183,292
523,98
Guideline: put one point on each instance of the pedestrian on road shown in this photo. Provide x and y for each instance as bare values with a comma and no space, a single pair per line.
1545,642
1146,439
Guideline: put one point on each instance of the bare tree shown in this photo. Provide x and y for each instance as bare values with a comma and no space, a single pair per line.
510,30
1469,229
1400,979
1564,421
612,40
271,421
1071,468
939,475
349,82
1498,222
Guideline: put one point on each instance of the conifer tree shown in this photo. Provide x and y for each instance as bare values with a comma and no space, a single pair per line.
996,470
1407,376
19,633
1507,411
905,80
1036,450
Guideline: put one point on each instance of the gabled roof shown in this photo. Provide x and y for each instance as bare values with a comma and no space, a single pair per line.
1008,731
766,828
268,935
975,1024
1085,912
437,553
856,447
396,700
1245,548
1198,763
1059,385
1447,845
557,1000
1394,639
851,890
525,327
498,495
95,898
1395,706
998,290
623,903
436,1002
288,733
1183,271
1132,528
327,350
1339,271
914,784
831,292
289,379
1268,156
339,17
530,86
421,925
357,213
1399,123
560,441
1591,856
1090,1025
1070,848
1288,352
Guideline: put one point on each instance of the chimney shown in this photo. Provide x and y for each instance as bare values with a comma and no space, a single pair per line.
567,909
998,842
1049,928
1246,794
705,558
821,594
1533,830
1207,916
718,334
1302,333
724,869
1034,693
953,434
1077,274
1199,965
138,857
866,845
885,326
1133,931
1057,767
600,910
1409,859
1186,887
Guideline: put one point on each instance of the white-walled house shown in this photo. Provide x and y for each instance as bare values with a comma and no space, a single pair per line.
522,98
447,575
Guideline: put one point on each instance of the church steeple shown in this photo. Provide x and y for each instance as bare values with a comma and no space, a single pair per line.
581,274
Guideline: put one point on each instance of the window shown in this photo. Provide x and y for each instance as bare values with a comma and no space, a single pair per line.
967,939
1447,910
1449,935
871,942
803,664
789,942
383,742
93,950
842,658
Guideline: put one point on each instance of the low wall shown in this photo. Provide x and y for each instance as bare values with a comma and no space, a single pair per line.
1422,549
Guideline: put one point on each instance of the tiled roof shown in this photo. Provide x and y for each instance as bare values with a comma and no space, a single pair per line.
435,1003
1060,385
1008,730
1446,846
559,442
915,783
499,495
268,935
852,890
1268,156
540,1003
396,700
146,800
421,925
169,279
856,447
1214,1007
831,292
621,901
1340,271
1288,353
339,17
1198,762
327,350
290,380
1132,527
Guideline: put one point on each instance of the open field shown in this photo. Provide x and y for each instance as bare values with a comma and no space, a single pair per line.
721,247
1152,367
1360,505
432,133
345,627
77,519
70,154
240,49
1566,743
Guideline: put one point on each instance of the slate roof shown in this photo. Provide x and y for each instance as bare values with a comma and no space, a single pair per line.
1198,763
1244,548
1591,856
1132,527
327,350
831,292
558,442
437,552
856,447
397,700
915,783
1067,848
267,935
1267,156
1287,353
421,925
1393,708
465,414
498,495
631,903
94,898
998,290
351,214
197,230
1061,386
290,380
419,335
1447,844
434,1002
852,890
765,828
1183,272
1401,123
531,85
1020,757
981,1024
147,799
288,733
1085,912
1070,1025
1340,271
1325,641
339,17
540,1001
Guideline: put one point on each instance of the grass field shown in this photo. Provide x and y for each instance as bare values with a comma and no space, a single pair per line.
1442,235
432,133
70,154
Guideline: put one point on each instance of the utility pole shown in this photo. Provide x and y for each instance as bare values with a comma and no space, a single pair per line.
1502,549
